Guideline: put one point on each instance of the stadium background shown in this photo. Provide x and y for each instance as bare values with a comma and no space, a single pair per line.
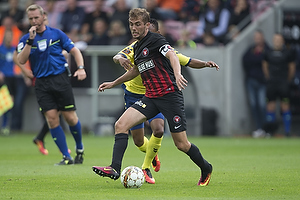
222,91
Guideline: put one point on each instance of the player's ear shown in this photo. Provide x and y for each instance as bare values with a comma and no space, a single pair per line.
148,25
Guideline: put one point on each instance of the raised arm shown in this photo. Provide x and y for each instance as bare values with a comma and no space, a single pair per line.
199,64
23,56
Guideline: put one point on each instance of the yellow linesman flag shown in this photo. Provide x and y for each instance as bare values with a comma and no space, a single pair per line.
6,102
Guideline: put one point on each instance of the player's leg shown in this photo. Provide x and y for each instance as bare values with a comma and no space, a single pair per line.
182,143
58,135
50,103
137,131
285,108
270,122
76,131
172,107
129,118
39,139
154,144
157,126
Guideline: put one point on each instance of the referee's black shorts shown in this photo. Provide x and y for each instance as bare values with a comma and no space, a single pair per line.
170,105
55,92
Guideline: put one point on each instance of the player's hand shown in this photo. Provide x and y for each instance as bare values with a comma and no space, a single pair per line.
181,82
28,73
212,64
80,73
125,63
105,85
32,32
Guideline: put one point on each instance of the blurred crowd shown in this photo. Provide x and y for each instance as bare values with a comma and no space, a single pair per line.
185,23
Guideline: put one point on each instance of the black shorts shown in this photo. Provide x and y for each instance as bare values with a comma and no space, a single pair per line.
277,91
170,105
55,92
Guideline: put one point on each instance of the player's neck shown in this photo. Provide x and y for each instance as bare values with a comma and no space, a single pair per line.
42,29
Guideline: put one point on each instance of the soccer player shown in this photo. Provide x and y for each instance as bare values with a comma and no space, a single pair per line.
43,47
134,90
279,68
160,70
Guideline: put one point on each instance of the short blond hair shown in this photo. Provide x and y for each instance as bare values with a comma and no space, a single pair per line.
35,7
135,13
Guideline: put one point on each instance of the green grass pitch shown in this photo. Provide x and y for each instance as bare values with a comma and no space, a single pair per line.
244,168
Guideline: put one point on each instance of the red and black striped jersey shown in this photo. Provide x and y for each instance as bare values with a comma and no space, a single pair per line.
155,69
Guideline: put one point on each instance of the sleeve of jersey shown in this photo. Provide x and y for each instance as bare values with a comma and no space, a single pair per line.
66,42
184,60
21,44
127,52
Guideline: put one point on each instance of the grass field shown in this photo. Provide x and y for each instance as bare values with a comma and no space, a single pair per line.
244,168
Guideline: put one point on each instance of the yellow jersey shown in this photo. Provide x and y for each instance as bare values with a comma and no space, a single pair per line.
136,85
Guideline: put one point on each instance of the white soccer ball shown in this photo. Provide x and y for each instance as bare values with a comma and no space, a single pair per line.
132,177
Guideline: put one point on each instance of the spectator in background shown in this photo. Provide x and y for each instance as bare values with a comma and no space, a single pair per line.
15,12
279,68
209,39
53,15
169,9
215,19
185,41
117,33
255,81
12,120
163,32
8,23
239,18
87,29
72,19
190,11
121,10
152,7
100,36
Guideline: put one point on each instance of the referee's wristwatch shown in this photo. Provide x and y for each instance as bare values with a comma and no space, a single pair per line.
80,67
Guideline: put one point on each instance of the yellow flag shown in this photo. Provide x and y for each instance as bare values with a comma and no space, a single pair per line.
6,102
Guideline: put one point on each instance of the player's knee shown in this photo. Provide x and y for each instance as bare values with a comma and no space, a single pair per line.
119,127
138,143
158,132
71,119
182,146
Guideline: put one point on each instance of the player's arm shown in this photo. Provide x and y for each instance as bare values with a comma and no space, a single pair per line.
292,71
174,60
199,64
25,71
265,68
127,76
80,72
195,63
23,56
123,61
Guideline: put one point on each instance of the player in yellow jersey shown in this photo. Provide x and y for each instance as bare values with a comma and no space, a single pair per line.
134,90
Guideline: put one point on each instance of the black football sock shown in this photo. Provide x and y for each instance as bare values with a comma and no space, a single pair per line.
43,132
121,141
197,158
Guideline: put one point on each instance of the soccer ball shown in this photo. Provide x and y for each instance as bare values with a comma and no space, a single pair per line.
132,177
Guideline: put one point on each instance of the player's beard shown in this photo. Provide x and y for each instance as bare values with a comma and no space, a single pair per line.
141,35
